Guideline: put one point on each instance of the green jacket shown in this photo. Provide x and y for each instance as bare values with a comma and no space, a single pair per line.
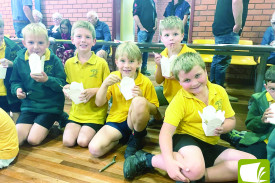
10,53
259,130
44,97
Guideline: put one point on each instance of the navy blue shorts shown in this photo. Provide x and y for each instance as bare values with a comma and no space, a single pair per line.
210,152
123,128
9,107
44,119
94,126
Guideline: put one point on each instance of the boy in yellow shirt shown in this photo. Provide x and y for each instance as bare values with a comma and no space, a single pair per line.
8,50
125,115
85,118
187,154
172,33
9,145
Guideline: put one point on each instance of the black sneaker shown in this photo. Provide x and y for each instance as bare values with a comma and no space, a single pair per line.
134,144
135,165
154,123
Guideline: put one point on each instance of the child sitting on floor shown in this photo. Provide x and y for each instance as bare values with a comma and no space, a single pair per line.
9,146
125,116
41,94
85,118
186,152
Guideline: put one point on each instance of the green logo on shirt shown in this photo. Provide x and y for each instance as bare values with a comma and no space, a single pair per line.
94,73
48,69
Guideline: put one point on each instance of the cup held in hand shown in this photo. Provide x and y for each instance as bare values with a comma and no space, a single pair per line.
74,92
211,120
166,65
126,86
272,120
36,64
3,72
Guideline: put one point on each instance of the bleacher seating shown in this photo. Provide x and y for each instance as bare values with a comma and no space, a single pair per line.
236,60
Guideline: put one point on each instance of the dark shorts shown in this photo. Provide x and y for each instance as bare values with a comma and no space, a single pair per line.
44,119
94,126
124,130
9,107
210,152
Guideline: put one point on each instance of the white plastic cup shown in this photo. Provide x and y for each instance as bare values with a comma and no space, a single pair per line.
272,120
3,72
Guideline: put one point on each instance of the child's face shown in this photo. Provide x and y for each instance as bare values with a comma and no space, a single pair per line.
270,87
83,40
194,81
172,38
1,35
64,28
127,67
36,44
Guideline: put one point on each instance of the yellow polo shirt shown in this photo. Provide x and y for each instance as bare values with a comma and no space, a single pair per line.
92,73
9,145
172,86
120,107
182,112
3,91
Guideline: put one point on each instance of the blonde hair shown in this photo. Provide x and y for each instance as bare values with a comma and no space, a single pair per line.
36,29
130,49
83,24
171,22
90,13
186,62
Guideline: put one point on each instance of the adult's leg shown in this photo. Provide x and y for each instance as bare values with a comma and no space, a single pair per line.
220,63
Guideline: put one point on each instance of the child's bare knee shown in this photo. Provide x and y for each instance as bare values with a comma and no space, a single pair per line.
95,151
139,104
68,143
196,172
33,141
83,142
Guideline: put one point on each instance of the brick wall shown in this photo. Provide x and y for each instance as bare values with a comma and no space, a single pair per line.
70,9
258,19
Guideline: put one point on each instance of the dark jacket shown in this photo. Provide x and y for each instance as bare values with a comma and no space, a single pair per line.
10,53
259,130
44,97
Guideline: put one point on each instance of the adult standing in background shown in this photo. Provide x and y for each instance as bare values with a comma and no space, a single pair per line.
179,8
102,33
21,14
145,16
229,19
269,39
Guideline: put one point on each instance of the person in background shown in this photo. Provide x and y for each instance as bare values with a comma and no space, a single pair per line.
41,94
102,33
65,50
21,15
145,16
37,15
179,8
9,146
86,67
8,52
54,29
229,19
269,39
